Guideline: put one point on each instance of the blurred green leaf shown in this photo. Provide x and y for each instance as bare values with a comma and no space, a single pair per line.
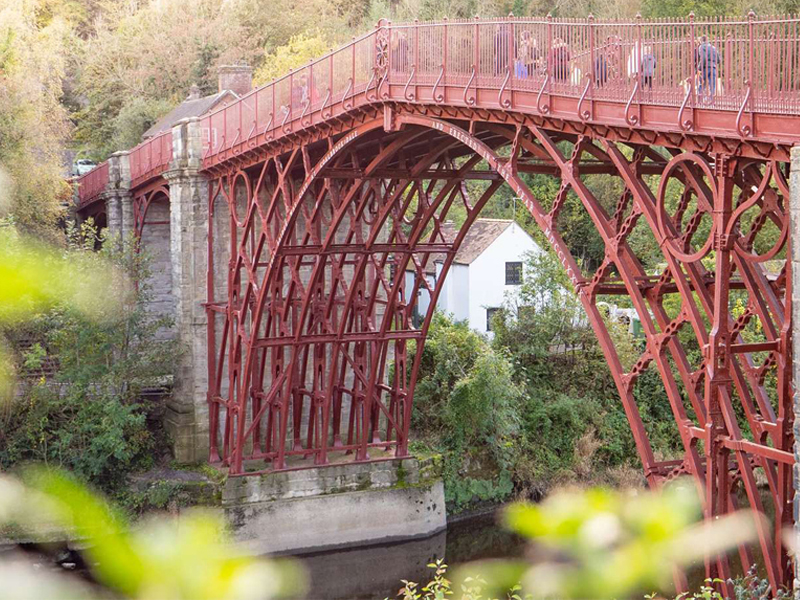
189,557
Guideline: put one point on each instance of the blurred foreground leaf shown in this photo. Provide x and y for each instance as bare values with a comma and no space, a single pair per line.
187,557
35,276
600,543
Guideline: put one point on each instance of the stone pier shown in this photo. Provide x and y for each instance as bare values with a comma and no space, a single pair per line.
174,234
187,411
117,196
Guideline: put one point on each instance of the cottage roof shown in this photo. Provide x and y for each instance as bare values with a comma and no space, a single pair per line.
191,107
479,237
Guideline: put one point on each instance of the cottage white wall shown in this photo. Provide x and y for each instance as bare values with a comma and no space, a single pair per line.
487,273
454,297
469,289
423,297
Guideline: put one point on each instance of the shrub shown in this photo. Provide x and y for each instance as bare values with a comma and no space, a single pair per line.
466,405
90,416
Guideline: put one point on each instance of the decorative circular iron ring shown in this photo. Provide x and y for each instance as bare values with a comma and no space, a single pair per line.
763,188
230,196
669,239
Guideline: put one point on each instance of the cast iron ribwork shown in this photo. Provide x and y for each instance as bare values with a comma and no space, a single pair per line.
329,190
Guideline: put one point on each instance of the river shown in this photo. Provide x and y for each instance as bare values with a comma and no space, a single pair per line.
375,572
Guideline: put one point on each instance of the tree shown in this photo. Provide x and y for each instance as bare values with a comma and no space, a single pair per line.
89,414
298,52
33,122
142,59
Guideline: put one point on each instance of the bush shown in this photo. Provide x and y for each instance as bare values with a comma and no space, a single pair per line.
466,406
89,415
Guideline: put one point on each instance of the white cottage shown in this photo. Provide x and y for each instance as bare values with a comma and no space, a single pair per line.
488,264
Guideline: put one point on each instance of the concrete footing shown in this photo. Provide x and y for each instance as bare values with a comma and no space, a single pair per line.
335,506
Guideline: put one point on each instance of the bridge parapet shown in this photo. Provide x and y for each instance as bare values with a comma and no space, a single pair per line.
735,79
92,184
711,77
151,158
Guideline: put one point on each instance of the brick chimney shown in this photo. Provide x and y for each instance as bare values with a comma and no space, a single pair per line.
236,78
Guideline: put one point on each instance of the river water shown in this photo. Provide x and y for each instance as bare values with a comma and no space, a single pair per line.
360,573
375,572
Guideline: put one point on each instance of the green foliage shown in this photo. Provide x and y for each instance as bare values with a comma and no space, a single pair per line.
466,405
33,122
753,587
569,393
297,52
94,435
90,417
462,492
35,278
602,544
156,560
34,357
141,59
135,117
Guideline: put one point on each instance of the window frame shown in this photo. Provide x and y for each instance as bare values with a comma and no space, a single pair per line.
517,270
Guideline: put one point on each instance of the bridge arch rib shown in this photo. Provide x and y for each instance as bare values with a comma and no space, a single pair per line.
319,311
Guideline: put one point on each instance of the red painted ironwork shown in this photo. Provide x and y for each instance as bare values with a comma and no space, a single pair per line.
151,158
143,198
515,62
327,241
91,184
324,225
148,161
330,187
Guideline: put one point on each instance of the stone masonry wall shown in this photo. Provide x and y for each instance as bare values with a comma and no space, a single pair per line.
155,242
187,411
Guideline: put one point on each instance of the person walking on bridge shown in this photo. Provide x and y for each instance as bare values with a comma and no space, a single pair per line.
502,42
647,68
559,60
527,55
706,61
600,69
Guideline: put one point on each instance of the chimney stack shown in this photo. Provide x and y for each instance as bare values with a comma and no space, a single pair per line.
236,78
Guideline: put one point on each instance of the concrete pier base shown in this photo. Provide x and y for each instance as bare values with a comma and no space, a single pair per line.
335,506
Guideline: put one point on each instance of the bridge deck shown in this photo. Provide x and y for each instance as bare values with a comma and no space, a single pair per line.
654,81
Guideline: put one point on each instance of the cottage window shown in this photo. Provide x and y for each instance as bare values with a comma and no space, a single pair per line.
513,273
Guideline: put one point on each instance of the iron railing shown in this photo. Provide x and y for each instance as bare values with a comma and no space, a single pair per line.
487,61
151,158
92,183
758,69
147,160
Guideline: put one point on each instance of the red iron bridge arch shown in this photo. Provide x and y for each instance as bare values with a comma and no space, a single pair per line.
328,184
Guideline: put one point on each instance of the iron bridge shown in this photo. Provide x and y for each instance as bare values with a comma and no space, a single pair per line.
329,182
